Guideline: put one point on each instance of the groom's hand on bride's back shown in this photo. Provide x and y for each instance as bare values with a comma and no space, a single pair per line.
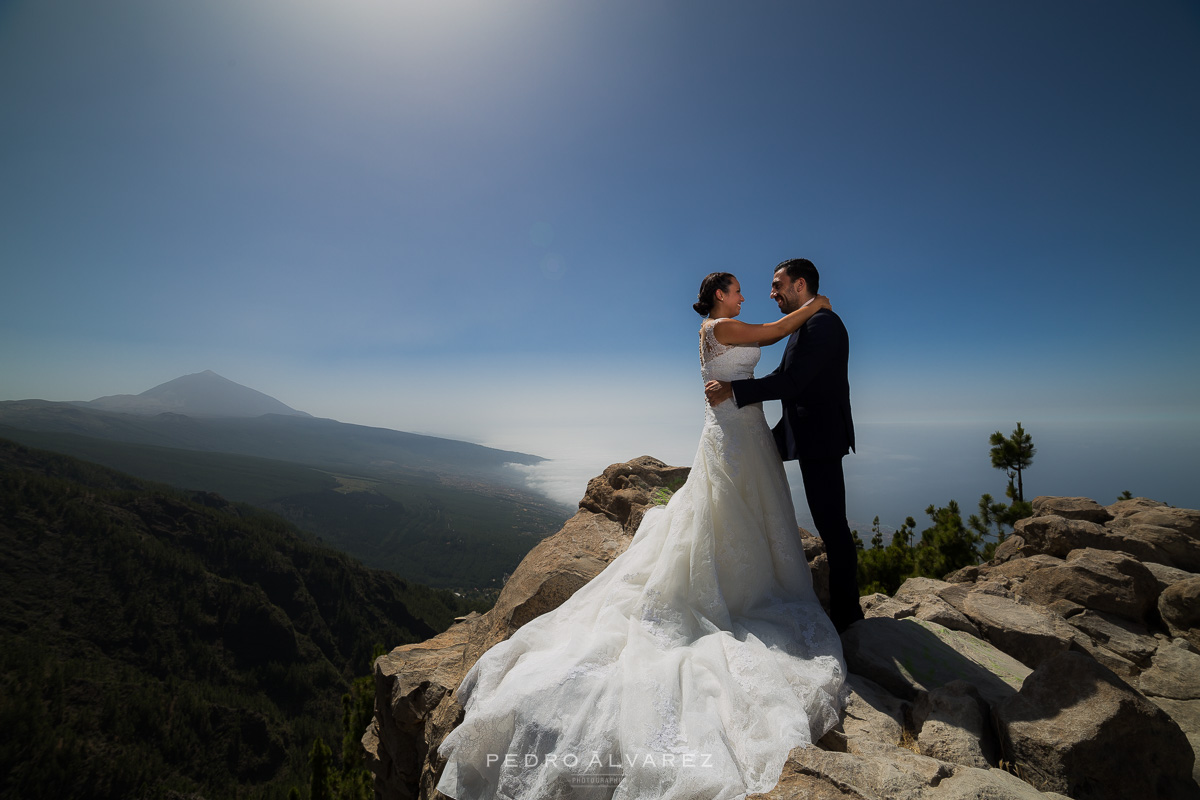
718,392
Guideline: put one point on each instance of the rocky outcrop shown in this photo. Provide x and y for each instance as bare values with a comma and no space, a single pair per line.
1072,718
1179,607
1098,601
1066,667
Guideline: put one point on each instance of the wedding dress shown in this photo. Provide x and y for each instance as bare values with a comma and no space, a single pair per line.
688,668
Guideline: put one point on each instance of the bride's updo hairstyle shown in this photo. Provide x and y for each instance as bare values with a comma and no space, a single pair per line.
712,283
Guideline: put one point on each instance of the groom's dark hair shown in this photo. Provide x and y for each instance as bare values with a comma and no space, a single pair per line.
801,268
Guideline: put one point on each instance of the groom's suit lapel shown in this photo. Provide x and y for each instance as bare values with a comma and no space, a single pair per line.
795,341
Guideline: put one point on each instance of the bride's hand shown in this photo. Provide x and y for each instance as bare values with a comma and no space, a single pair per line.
717,392
822,302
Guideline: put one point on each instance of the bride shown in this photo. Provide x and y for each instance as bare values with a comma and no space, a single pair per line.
697,659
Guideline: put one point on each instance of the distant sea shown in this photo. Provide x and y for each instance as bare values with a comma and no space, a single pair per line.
900,469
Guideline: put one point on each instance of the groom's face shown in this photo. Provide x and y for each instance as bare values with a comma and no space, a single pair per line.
786,292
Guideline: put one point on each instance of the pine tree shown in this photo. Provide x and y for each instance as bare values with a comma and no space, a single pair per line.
948,545
1014,455
321,783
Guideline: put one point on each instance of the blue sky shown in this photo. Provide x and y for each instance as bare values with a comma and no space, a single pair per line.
488,220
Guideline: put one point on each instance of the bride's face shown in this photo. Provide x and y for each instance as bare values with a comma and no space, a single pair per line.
731,299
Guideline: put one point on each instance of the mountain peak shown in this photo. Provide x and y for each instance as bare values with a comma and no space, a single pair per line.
200,394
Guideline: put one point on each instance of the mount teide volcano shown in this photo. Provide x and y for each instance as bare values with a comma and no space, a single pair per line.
204,394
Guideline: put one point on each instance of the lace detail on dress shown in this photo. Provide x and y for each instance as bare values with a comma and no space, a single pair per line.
724,362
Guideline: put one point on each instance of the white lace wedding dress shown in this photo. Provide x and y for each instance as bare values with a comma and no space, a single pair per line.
688,668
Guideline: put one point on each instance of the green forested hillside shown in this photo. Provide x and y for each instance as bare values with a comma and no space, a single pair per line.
410,516
156,641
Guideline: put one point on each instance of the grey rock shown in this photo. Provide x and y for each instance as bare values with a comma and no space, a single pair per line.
624,492
818,565
1174,673
916,590
1018,569
1009,549
1083,508
1066,608
1158,536
924,594
953,724
813,545
1101,580
873,713
1057,536
891,608
869,601
968,783
1028,633
1123,508
1121,636
883,772
1070,718
968,574
1168,575
956,595
910,656
1164,536
1186,714
1123,667
872,772
938,611
1179,607
1183,520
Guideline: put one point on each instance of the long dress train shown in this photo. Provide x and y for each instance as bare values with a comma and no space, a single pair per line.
688,668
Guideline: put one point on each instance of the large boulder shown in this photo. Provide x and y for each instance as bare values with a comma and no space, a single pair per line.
1179,607
908,656
1174,673
1012,547
874,771
625,491
1162,534
1124,508
1053,535
923,594
1125,638
1185,521
1071,508
1102,580
1018,569
1028,633
873,712
1186,714
954,724
1073,718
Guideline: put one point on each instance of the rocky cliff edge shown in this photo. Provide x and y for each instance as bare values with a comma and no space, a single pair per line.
1068,666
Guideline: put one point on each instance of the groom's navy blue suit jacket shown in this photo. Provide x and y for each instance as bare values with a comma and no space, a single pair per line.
811,381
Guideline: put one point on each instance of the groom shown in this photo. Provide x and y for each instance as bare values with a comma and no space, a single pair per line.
816,428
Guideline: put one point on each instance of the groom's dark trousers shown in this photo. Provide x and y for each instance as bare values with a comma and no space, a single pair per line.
817,430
